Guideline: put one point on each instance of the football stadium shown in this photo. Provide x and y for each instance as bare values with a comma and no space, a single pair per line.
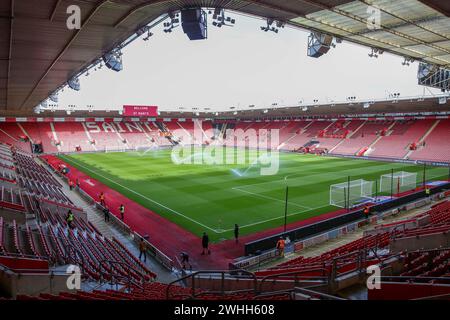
112,189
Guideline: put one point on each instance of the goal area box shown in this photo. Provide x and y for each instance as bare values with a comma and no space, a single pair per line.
398,182
349,194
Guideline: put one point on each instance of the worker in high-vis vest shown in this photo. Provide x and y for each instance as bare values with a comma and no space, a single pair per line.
69,219
366,211
280,246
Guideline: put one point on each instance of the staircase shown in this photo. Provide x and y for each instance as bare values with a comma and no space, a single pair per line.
422,139
370,147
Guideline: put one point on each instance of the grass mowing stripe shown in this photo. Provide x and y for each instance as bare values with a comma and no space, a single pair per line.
147,198
211,197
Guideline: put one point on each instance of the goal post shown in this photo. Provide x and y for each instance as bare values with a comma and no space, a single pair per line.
398,182
349,194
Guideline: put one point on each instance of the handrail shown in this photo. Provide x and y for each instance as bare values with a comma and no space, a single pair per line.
445,296
325,296
412,278
296,273
210,272
130,281
76,258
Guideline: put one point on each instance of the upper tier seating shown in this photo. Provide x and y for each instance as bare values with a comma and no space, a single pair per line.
362,137
396,145
436,144
386,138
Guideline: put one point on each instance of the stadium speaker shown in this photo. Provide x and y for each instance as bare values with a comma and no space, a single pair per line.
53,97
318,44
74,84
194,23
113,61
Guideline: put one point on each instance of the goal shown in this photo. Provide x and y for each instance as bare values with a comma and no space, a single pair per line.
347,195
397,182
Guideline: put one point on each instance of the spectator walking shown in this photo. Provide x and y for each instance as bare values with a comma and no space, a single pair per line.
236,232
205,244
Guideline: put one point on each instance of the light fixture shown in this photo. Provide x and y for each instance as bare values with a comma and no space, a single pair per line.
219,18
149,34
271,27
375,52
113,60
407,61
174,22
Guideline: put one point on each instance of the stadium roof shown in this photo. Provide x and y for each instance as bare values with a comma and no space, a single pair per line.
38,53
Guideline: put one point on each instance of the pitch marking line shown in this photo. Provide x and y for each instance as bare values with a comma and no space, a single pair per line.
147,198
270,198
276,218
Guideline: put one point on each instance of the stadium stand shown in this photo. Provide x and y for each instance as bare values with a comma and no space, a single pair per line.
373,138
375,248
434,148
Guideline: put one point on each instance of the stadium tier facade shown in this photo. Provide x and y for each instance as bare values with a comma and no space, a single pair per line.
395,137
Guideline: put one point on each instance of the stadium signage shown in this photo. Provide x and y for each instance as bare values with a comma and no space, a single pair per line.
140,111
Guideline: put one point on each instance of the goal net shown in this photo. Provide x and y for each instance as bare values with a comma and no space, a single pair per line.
347,195
400,181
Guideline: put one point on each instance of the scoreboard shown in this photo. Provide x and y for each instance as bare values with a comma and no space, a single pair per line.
140,111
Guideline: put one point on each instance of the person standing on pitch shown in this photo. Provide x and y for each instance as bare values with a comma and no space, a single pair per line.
102,199
143,249
122,211
236,232
205,244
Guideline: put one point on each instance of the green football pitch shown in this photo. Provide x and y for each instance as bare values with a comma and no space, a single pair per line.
213,197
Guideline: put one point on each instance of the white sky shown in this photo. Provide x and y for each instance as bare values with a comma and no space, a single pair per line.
237,67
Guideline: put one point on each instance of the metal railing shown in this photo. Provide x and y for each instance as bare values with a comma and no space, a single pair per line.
117,279
297,278
222,274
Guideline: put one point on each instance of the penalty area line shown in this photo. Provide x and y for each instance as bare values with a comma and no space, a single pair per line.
271,198
277,218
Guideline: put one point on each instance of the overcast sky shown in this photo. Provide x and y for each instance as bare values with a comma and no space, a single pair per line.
240,66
